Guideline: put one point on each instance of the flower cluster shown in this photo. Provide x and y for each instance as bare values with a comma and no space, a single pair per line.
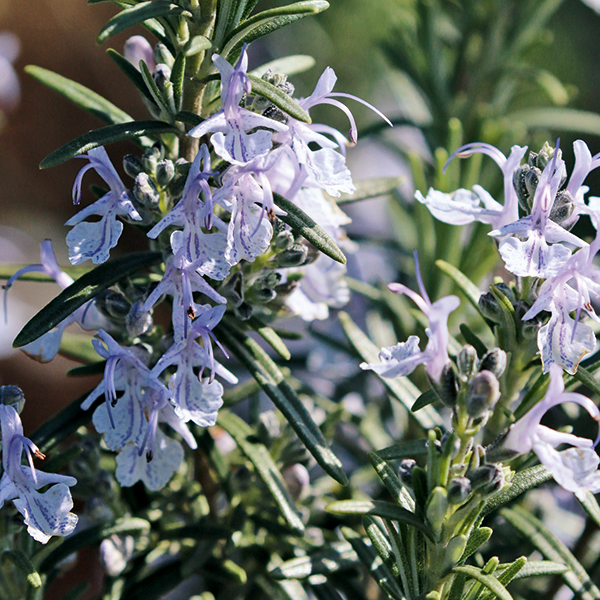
213,218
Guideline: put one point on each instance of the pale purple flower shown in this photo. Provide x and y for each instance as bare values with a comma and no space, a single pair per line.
10,88
181,280
564,340
403,358
527,252
196,398
463,206
88,317
326,166
230,124
574,469
45,513
94,240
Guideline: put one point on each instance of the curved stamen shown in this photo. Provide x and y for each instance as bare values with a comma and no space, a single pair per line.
13,278
477,148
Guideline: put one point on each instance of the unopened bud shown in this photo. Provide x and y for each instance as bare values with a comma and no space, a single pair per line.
563,207
293,256
405,471
525,200
507,291
263,295
467,361
145,191
11,395
446,388
530,328
138,321
459,489
494,360
485,477
113,304
489,307
161,76
150,159
182,166
531,179
132,165
270,279
284,240
484,394
297,479
165,171
243,312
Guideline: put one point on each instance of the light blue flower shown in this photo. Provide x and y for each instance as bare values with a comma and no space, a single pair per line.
94,240
46,513
403,358
230,124
574,469
88,317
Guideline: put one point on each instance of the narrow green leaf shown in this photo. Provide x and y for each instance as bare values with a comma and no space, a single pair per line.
267,470
369,557
553,549
94,368
557,119
188,118
507,575
268,21
106,135
465,285
91,536
336,557
279,98
156,94
425,399
271,337
521,482
401,387
371,188
131,72
539,568
301,223
488,581
177,79
195,45
273,382
590,505
388,477
378,508
289,65
24,564
477,538
533,395
85,288
404,450
138,13
473,339
80,95
382,545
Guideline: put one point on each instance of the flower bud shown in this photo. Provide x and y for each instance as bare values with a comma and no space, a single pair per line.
525,200
145,191
165,171
243,312
182,166
294,256
270,279
494,360
467,361
150,159
284,240
531,180
162,76
263,295
563,207
137,321
132,165
113,304
486,477
405,471
297,479
490,308
11,395
483,395
459,489
507,291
